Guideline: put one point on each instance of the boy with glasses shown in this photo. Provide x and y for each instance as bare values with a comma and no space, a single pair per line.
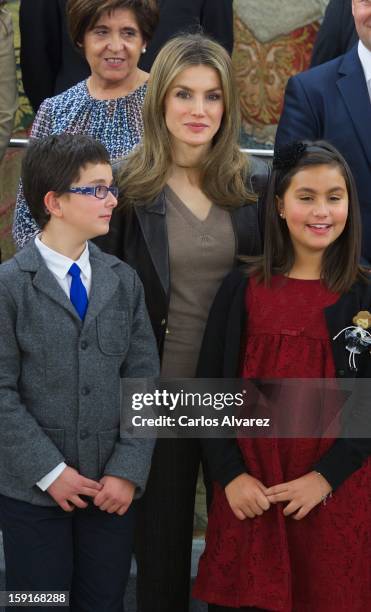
73,321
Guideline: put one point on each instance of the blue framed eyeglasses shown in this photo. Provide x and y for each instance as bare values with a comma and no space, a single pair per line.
99,191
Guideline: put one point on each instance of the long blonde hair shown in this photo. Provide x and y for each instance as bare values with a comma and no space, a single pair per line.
224,170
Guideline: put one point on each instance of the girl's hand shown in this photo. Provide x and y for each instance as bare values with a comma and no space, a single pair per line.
115,496
247,497
303,494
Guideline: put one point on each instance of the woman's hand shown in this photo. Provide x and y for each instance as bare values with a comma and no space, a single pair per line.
303,494
247,497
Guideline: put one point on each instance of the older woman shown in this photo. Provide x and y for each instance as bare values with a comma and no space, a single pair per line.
187,209
112,35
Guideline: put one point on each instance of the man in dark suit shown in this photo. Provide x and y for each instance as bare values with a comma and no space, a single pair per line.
337,33
49,61
214,17
333,102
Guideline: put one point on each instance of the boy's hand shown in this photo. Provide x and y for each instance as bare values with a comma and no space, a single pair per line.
303,494
116,495
67,488
246,496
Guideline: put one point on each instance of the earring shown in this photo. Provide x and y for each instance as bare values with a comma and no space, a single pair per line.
282,215
144,50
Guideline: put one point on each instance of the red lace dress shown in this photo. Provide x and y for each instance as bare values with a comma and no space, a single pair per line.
321,563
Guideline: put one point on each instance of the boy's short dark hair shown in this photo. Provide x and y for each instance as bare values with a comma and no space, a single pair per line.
54,164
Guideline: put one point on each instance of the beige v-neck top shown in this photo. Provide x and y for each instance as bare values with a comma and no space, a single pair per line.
201,253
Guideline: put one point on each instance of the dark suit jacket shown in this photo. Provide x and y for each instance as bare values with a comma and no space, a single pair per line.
220,357
179,16
49,61
337,33
331,102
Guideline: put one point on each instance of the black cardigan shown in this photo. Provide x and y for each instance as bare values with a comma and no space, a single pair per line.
220,358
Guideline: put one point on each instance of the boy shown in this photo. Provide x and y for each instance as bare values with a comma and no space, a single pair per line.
72,320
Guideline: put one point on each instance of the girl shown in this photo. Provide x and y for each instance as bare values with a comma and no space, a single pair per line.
271,544
186,208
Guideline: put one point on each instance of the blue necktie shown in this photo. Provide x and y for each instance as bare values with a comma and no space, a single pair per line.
78,295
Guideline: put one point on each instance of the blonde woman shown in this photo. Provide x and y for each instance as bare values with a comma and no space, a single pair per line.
186,209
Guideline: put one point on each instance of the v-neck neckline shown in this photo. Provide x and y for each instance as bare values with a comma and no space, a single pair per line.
185,211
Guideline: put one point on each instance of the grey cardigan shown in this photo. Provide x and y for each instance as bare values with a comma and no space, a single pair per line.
60,377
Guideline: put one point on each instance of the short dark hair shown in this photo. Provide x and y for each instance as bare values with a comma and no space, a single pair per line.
82,15
340,264
53,164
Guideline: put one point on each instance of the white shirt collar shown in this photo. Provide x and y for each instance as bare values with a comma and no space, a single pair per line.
365,59
60,264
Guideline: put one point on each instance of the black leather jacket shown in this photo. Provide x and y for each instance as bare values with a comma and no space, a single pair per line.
139,237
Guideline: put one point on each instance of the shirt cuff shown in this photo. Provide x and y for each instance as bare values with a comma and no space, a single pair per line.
49,478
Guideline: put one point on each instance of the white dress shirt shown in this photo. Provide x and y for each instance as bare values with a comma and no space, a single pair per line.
59,265
365,59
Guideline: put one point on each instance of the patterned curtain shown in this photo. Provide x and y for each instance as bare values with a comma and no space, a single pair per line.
273,40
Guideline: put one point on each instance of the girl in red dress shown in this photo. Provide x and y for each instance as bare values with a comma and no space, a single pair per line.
290,524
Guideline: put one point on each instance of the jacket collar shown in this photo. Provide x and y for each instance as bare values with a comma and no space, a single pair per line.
157,206
151,218
30,260
104,280
353,89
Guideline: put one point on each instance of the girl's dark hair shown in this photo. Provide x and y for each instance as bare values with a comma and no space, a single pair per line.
340,262
53,164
